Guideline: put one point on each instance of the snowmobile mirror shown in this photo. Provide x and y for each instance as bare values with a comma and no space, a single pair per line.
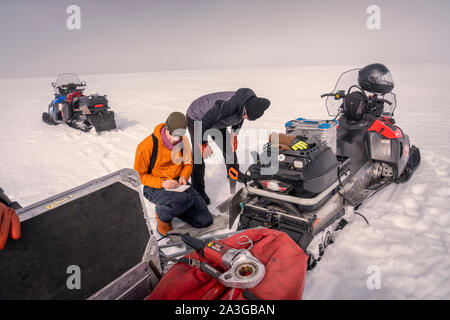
53,84
83,83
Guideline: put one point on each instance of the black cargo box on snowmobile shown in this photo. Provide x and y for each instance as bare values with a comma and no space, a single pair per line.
309,171
303,228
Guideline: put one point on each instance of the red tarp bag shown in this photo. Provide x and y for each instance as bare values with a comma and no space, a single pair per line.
285,263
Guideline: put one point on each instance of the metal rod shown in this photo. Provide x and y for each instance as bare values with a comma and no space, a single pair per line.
174,244
180,253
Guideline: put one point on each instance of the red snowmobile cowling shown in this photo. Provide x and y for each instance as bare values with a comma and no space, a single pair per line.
285,263
386,129
75,94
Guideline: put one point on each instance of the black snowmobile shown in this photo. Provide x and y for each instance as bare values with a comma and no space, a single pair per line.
330,166
79,111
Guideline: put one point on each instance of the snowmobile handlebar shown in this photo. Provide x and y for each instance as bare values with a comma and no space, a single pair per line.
385,101
65,86
236,175
337,95
341,94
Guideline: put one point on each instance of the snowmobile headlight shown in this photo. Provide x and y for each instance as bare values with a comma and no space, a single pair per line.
382,151
275,185
298,164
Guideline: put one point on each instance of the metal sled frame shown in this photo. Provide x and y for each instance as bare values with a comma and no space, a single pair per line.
135,283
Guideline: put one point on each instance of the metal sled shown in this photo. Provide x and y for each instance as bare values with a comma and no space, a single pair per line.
91,242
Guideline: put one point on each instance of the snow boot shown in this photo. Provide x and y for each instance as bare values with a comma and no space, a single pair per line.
162,227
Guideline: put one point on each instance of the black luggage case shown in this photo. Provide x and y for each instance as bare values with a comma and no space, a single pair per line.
299,229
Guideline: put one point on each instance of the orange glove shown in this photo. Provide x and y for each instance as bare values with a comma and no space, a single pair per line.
206,150
9,224
234,142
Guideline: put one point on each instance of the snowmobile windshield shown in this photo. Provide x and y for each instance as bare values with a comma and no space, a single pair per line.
66,78
389,108
349,79
345,81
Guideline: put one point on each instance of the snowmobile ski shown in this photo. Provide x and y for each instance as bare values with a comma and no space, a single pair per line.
80,125
46,118
411,165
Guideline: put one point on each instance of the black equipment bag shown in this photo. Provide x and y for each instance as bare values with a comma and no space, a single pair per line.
298,230
355,106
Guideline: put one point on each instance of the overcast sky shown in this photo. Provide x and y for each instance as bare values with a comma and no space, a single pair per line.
155,35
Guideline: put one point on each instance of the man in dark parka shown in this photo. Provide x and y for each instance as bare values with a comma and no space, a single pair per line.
220,110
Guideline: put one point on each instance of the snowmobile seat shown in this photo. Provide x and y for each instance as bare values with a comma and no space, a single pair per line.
90,242
71,87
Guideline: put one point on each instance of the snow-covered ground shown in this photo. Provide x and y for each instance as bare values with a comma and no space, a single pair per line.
409,233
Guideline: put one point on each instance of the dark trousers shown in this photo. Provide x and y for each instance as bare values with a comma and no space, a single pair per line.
198,171
188,206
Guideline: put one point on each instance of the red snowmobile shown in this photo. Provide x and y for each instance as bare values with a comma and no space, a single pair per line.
329,167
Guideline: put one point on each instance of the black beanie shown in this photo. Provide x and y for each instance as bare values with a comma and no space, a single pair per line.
255,107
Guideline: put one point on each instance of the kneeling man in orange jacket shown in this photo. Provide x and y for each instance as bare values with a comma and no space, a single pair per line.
164,163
